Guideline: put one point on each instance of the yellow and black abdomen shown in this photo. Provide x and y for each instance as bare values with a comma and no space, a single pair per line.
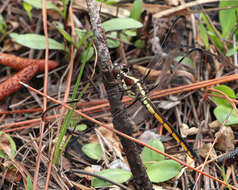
154,111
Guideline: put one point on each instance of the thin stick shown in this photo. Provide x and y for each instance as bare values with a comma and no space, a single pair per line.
36,172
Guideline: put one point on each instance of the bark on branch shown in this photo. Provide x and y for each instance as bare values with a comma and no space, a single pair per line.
120,121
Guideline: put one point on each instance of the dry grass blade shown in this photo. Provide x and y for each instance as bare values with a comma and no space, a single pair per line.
36,171
182,7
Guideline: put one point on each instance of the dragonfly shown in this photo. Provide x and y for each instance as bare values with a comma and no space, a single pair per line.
136,91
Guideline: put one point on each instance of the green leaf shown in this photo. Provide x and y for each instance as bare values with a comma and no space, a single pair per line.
29,183
186,61
148,155
130,33
36,41
12,145
212,33
87,54
120,24
221,112
65,2
222,101
163,170
204,35
92,150
117,175
80,32
2,154
28,9
3,25
125,37
136,9
59,27
232,51
81,127
111,43
138,44
83,37
110,2
225,177
227,17
38,4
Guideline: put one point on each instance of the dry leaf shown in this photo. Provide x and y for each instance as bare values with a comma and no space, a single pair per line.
66,164
80,186
13,175
185,130
87,169
172,2
153,74
10,46
205,149
112,138
215,124
225,141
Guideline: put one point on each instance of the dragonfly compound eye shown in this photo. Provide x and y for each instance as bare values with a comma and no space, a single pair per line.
125,69
116,70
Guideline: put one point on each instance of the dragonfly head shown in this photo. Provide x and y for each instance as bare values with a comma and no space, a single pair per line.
119,71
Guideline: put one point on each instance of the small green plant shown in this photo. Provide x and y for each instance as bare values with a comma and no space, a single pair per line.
225,179
124,25
28,9
69,115
29,183
80,127
228,21
29,4
149,156
157,168
136,10
224,107
8,147
36,41
93,151
117,175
